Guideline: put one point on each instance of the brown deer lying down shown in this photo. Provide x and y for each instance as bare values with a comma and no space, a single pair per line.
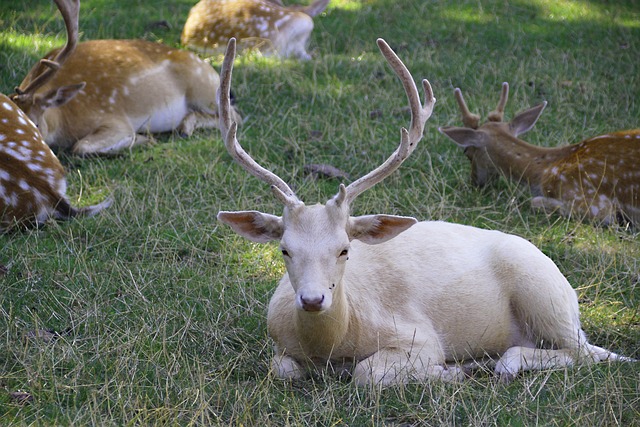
110,93
597,179
398,300
263,24
32,181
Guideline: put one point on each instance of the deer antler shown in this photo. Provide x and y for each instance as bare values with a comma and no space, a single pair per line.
229,130
469,119
70,11
498,114
408,139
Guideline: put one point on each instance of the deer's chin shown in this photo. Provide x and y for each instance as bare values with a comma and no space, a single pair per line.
311,310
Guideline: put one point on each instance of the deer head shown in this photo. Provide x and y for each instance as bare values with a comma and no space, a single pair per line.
315,240
27,97
484,144
266,25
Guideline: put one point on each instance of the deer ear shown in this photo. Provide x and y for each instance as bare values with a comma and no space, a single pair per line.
374,229
465,137
62,95
525,121
255,226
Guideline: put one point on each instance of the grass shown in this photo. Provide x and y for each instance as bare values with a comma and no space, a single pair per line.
154,314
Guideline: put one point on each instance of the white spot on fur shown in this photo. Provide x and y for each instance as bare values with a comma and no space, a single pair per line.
34,167
24,185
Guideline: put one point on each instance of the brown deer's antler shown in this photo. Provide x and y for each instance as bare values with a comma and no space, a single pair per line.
70,11
498,114
469,119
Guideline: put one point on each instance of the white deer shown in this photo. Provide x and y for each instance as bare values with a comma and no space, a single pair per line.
266,25
597,178
110,94
398,300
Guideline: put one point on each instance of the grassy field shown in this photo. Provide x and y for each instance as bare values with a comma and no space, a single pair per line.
155,314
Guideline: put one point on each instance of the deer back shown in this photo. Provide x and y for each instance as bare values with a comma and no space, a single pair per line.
32,180
265,25
597,178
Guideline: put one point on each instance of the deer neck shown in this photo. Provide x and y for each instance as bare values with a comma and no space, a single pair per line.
322,334
523,161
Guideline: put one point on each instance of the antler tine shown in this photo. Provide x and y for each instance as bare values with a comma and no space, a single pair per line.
498,114
70,11
469,119
229,131
409,138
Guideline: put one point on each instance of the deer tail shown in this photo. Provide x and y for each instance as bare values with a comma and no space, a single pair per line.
64,209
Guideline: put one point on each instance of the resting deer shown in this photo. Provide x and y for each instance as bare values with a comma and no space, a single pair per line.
109,94
266,25
597,178
32,180
403,300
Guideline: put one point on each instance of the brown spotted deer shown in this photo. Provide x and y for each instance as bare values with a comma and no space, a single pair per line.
597,179
266,25
394,300
32,180
110,94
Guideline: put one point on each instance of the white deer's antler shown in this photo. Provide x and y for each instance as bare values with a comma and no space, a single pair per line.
229,131
409,138
408,141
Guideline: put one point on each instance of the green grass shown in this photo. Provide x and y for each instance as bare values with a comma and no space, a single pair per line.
158,312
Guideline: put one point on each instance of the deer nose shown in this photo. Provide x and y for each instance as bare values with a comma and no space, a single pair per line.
312,303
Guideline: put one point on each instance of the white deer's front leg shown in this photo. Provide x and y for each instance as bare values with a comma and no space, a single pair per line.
286,367
398,366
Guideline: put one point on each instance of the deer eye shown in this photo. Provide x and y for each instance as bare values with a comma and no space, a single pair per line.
344,252
285,253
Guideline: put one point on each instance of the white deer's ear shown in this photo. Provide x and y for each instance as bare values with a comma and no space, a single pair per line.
465,137
255,226
525,121
374,229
